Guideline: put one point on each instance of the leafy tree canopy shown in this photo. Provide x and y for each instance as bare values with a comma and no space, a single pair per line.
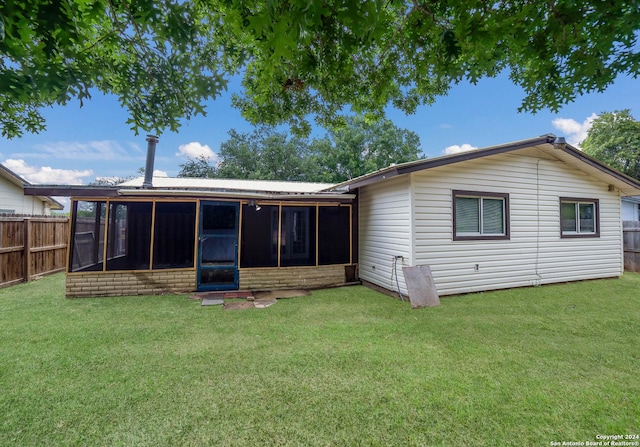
345,152
300,58
360,147
614,139
264,155
199,167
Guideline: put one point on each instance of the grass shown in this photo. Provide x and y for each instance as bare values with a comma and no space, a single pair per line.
343,367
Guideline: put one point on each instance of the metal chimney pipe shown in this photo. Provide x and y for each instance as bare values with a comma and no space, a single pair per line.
152,140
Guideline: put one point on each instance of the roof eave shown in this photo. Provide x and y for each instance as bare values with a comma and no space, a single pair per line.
619,176
407,168
238,194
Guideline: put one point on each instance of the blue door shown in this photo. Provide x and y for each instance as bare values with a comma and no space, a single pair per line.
218,246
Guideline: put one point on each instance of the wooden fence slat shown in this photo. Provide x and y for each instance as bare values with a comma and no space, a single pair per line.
631,241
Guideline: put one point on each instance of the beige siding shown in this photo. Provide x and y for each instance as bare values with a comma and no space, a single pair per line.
384,231
535,253
12,198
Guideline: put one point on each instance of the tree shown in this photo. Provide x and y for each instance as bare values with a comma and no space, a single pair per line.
264,155
355,148
360,147
160,57
113,181
614,139
164,58
198,167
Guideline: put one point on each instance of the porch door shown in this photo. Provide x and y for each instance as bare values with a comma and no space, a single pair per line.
218,247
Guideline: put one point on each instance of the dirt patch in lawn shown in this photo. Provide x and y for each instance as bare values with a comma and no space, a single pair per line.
277,294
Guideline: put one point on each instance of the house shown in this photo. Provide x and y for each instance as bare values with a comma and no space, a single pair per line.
532,212
14,201
631,208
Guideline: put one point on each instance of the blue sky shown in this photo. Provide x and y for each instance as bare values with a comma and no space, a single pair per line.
81,144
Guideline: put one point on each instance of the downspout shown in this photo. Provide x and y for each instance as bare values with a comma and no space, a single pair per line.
152,140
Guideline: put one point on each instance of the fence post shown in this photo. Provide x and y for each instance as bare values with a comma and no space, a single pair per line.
27,249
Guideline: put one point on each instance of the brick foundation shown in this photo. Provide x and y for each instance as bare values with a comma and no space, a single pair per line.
94,284
292,277
81,285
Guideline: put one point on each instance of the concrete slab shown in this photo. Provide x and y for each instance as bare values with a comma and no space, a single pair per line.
212,302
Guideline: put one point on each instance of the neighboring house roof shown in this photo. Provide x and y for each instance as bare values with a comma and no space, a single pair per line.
20,182
543,145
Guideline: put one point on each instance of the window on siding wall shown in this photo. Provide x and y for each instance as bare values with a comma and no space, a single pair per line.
579,217
480,215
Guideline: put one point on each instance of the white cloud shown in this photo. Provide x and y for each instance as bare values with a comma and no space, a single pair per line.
574,131
446,126
159,173
196,150
46,174
456,149
91,150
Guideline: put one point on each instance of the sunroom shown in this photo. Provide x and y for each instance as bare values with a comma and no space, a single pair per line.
183,235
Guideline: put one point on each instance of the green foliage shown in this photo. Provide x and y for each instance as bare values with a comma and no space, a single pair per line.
360,146
356,147
199,167
161,58
301,58
614,139
342,367
264,155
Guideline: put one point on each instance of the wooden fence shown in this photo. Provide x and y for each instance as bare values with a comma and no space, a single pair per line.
631,238
31,246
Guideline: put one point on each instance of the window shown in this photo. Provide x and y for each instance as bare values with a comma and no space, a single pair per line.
174,235
579,217
297,235
334,235
480,215
129,236
257,236
87,243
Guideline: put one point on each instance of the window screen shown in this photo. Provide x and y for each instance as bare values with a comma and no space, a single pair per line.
334,231
174,235
129,238
87,239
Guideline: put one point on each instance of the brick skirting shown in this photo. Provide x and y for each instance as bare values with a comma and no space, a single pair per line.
94,284
293,277
158,282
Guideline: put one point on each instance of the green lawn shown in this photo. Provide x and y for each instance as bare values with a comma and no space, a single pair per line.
343,367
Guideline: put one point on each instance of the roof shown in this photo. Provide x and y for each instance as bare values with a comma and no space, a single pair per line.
21,183
562,151
218,184
232,188
201,187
